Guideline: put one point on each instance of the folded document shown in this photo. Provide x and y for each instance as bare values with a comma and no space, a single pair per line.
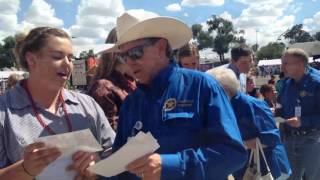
67,143
136,147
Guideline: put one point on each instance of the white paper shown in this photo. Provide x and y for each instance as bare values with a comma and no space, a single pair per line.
53,171
67,143
279,119
135,148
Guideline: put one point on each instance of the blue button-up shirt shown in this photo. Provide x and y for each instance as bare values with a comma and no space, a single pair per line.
190,116
255,120
305,93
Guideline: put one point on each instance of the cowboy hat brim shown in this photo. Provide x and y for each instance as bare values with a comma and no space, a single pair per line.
176,32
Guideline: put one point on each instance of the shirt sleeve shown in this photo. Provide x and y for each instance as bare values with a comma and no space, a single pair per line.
313,120
104,130
4,161
224,152
269,134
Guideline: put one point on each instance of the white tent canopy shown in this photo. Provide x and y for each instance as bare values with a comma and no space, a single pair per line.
6,74
274,62
97,48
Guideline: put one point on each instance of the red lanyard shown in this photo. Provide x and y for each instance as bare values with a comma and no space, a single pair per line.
66,115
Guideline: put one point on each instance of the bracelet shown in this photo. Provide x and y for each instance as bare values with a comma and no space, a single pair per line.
25,170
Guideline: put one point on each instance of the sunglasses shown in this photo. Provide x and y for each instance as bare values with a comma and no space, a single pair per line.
136,52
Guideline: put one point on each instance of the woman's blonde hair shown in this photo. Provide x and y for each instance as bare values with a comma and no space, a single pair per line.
227,78
13,79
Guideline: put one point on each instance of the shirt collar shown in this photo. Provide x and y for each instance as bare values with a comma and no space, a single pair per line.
234,69
161,80
18,97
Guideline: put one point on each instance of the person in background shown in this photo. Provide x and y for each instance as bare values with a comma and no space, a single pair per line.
188,56
269,94
186,111
252,90
40,106
13,79
280,82
255,120
112,83
300,99
272,80
241,63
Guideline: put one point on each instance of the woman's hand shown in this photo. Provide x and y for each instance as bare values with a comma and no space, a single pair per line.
81,161
250,143
36,157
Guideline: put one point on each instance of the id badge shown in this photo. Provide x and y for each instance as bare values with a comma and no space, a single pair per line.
297,111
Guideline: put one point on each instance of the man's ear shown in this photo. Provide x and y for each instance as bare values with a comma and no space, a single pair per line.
30,58
162,45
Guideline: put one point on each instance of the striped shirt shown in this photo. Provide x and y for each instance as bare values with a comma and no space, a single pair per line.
19,126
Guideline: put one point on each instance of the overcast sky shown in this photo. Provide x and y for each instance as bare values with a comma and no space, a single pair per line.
91,20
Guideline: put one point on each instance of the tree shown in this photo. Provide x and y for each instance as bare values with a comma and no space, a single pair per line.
296,34
316,36
273,50
224,34
7,58
86,54
205,40
196,29
240,39
255,47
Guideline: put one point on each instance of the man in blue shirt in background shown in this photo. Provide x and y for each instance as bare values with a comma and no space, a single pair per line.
300,101
185,110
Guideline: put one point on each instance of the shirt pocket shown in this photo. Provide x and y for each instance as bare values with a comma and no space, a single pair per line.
180,120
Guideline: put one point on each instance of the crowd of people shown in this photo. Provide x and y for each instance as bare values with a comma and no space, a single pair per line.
208,125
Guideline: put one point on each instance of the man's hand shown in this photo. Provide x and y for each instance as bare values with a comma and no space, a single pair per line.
294,122
81,161
36,157
147,167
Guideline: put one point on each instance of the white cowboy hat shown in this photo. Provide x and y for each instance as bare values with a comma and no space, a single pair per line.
132,27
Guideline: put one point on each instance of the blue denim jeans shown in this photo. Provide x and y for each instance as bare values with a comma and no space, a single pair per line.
304,156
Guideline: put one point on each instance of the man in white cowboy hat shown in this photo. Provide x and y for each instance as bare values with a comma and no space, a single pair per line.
185,110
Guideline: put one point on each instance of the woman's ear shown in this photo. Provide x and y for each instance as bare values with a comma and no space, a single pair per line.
30,58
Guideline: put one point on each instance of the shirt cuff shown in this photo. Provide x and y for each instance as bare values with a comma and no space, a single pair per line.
171,166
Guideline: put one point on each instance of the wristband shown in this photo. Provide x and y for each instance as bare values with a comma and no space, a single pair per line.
25,170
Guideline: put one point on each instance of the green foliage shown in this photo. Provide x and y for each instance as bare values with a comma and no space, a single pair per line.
205,40
225,34
7,58
297,35
196,29
316,36
273,50
255,47
86,54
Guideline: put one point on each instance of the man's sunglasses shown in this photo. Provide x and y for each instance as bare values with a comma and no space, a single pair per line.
136,52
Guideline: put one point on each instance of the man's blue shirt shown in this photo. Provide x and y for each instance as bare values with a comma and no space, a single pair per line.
305,93
255,120
190,116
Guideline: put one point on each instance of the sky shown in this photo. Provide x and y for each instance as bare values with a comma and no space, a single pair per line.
89,21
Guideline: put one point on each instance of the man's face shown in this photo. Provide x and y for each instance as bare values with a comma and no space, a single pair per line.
290,65
148,61
190,62
244,64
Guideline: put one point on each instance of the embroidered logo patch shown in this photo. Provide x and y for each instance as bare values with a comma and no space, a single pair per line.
170,104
